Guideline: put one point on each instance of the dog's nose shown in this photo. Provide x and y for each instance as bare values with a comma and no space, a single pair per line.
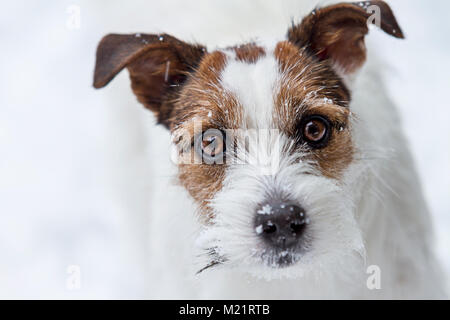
280,224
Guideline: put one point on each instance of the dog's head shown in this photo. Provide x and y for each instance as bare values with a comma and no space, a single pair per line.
262,132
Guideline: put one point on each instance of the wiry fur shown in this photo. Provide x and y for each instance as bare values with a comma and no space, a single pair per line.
361,195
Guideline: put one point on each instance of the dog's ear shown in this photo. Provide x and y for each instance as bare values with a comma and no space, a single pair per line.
336,32
158,65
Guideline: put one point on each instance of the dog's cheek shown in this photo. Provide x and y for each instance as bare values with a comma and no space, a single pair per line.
202,181
336,156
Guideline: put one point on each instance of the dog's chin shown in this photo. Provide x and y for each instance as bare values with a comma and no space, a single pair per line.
272,265
278,266
278,259
282,260
293,266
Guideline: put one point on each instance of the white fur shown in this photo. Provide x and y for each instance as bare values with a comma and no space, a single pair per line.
253,84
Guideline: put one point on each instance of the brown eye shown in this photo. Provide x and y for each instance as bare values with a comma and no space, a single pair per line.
315,131
211,146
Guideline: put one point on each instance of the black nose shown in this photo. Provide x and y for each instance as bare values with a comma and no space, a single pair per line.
280,224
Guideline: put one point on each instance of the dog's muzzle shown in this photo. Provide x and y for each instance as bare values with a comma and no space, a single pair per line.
280,225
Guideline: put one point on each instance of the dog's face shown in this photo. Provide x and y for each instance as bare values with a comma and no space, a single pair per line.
262,133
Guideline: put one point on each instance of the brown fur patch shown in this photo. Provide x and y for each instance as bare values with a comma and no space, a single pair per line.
249,52
203,95
338,153
203,101
309,87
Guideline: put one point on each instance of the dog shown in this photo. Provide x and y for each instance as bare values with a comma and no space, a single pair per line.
294,179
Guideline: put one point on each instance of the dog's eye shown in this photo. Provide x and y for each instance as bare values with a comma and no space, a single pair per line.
211,146
315,130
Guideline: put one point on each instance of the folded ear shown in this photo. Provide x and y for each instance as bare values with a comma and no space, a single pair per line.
337,32
158,65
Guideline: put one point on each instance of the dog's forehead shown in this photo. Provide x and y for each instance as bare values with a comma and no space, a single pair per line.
251,75
258,86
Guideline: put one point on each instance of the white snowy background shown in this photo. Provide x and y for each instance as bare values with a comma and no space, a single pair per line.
75,163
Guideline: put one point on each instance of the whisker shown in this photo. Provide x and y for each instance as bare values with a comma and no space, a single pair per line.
209,265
